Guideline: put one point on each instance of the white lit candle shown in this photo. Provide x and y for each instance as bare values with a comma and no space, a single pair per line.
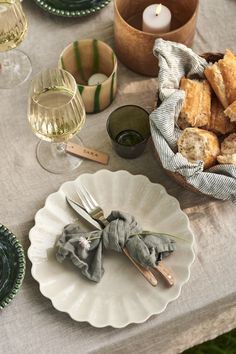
97,79
156,19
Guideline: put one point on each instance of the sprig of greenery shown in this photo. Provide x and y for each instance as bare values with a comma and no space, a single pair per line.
161,234
147,233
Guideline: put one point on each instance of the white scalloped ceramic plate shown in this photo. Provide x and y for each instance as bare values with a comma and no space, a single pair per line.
123,296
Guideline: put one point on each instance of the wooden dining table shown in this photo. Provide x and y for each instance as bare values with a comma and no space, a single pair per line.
206,307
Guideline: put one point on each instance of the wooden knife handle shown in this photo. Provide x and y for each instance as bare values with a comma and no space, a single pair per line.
144,271
166,273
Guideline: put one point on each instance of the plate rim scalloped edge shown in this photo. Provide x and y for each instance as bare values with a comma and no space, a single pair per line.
124,323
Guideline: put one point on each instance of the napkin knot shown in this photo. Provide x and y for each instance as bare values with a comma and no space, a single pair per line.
117,233
84,249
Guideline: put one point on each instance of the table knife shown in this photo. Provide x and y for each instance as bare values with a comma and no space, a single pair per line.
82,212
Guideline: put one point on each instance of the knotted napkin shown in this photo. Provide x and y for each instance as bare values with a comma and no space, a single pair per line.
175,61
85,249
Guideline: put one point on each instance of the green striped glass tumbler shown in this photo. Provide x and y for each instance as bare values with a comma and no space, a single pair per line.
56,114
93,64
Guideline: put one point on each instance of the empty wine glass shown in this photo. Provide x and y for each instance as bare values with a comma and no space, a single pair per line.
15,66
56,114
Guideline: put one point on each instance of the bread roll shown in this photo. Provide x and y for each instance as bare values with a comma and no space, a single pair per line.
229,159
222,77
196,109
229,145
228,150
199,144
219,123
231,112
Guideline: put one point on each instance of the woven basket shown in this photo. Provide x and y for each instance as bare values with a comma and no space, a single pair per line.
211,58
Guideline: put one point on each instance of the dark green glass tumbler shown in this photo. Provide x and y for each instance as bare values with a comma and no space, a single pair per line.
129,130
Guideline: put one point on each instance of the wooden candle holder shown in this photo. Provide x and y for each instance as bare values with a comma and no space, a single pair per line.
135,47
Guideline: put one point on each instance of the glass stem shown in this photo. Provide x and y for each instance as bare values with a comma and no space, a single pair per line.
58,148
15,68
61,147
5,62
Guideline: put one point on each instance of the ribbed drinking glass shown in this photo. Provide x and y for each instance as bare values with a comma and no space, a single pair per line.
15,66
56,114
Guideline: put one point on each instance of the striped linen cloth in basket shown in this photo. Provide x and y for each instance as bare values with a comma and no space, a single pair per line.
176,61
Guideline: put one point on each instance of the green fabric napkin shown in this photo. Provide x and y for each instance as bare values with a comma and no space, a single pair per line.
84,249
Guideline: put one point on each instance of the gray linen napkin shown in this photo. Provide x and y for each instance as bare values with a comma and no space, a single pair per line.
85,248
176,61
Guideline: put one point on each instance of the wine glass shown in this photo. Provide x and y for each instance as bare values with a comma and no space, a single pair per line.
15,66
56,114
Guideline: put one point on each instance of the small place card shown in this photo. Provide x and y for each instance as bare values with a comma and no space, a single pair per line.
86,153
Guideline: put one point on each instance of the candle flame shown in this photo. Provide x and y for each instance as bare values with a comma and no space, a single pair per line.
158,9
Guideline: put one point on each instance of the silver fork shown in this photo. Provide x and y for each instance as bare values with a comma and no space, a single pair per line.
97,213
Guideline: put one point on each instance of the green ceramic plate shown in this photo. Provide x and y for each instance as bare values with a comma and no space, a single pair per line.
72,8
12,266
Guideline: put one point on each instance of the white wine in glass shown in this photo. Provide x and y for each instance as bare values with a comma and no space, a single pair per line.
15,66
56,114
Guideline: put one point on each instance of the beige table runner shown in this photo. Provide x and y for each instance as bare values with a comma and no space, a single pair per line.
207,305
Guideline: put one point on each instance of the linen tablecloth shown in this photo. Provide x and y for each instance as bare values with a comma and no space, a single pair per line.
207,305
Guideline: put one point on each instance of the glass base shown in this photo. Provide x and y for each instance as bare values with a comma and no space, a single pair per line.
53,158
15,68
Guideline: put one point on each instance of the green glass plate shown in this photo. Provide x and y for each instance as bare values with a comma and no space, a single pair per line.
12,266
72,8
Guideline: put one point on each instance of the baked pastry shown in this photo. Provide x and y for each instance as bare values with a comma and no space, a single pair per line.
199,144
228,150
231,112
222,77
196,108
218,122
